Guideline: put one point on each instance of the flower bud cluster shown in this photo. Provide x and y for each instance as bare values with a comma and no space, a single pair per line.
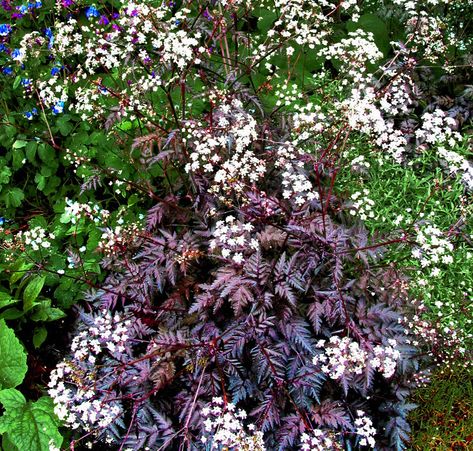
225,429
233,238
448,343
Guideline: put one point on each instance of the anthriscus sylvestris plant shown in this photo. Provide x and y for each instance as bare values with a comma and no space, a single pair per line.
249,313
253,310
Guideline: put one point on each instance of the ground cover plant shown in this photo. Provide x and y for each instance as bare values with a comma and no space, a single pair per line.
235,225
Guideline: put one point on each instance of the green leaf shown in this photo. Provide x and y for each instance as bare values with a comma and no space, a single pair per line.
12,357
65,127
18,270
29,426
17,81
11,313
11,399
125,125
6,299
46,153
7,445
17,160
44,312
266,18
5,174
31,151
40,181
13,197
19,144
32,291
40,334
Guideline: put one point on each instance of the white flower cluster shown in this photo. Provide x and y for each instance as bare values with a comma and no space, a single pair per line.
52,94
365,429
225,150
74,211
302,21
397,96
437,128
233,237
308,121
354,52
458,164
433,248
425,32
317,440
363,114
359,162
385,358
343,357
176,47
141,33
37,238
288,94
226,430
73,384
362,205
296,185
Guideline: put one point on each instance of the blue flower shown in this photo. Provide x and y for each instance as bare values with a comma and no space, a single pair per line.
23,9
7,70
30,114
25,82
5,29
49,34
58,108
91,12
17,55
33,5
55,70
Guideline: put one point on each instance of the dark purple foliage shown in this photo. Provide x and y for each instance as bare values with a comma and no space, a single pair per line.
206,326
